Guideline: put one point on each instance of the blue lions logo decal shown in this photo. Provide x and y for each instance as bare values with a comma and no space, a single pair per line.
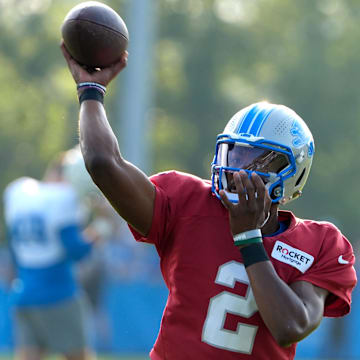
300,137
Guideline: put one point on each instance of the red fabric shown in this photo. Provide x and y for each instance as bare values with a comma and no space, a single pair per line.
191,232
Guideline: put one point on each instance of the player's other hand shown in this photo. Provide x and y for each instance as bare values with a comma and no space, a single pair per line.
103,76
254,204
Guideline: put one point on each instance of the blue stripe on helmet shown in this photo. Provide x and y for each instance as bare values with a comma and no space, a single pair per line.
259,120
245,124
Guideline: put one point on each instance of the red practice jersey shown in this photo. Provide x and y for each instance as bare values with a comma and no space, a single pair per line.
211,312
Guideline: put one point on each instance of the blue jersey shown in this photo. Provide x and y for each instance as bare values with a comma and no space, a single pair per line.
44,227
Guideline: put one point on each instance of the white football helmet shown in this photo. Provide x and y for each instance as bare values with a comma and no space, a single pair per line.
271,140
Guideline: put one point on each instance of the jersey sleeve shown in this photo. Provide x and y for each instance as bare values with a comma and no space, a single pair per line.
163,211
334,271
74,243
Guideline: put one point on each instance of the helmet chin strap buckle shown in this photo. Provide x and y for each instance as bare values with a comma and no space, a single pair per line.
278,191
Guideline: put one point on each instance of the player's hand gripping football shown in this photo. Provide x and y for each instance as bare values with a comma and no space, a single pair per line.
103,76
254,204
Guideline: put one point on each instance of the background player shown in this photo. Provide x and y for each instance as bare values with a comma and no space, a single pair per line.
224,303
45,231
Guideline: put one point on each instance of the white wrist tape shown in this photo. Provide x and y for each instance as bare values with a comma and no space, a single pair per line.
246,235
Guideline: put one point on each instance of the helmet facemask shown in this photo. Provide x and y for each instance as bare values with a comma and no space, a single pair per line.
273,162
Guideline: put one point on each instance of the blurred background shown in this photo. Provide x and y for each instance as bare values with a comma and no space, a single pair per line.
192,65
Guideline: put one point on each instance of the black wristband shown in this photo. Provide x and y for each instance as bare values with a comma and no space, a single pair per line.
254,253
91,93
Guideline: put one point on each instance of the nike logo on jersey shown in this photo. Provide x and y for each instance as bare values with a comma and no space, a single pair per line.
292,256
341,260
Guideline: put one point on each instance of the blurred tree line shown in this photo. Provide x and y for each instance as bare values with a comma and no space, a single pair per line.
212,57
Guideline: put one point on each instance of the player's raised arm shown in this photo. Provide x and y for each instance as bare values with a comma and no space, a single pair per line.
127,188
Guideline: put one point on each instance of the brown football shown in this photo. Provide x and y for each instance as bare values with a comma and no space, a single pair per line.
94,34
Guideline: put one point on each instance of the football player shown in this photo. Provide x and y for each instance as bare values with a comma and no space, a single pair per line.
246,280
45,226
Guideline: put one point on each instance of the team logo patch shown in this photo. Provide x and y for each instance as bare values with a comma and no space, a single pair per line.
292,256
300,137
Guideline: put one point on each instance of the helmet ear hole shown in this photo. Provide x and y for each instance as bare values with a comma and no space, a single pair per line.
276,192
300,177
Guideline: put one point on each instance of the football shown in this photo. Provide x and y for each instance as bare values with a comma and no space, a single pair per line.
94,34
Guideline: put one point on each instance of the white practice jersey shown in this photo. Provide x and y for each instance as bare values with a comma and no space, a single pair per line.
34,212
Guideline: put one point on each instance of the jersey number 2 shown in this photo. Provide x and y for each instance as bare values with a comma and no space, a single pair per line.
241,340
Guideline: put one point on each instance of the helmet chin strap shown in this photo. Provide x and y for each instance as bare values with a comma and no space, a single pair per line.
233,197
266,220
